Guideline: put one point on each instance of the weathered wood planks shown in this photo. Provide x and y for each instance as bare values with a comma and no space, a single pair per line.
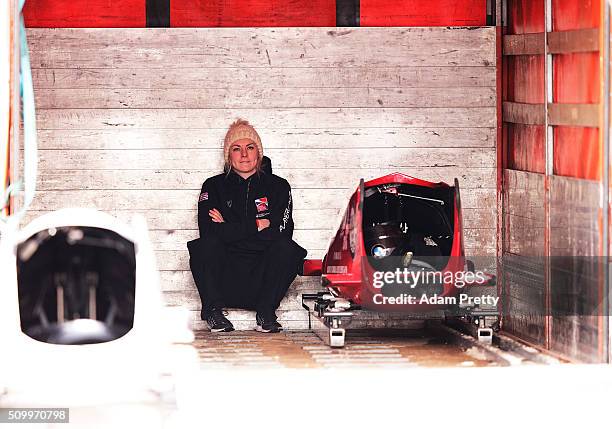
306,138
259,79
261,98
248,47
300,178
208,159
87,119
164,199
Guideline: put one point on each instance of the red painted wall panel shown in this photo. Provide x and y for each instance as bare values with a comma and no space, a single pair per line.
577,151
525,84
85,13
430,13
575,14
252,13
576,78
526,142
526,147
525,16
526,79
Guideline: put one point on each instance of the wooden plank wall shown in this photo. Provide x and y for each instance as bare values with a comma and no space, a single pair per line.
132,121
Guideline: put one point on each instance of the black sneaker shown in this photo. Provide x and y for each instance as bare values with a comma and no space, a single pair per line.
267,324
217,322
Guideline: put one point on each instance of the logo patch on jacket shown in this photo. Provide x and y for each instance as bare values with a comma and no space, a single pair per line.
261,204
203,197
229,203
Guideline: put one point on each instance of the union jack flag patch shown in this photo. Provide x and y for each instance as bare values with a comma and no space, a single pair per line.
203,197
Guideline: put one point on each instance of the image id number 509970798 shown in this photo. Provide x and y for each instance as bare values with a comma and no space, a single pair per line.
34,415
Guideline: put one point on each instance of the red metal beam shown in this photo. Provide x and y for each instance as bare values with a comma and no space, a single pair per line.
424,13
85,13
252,13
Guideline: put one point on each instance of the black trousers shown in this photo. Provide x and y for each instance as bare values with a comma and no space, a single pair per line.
249,275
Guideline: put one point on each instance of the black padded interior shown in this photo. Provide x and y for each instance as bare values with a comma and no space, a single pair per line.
76,285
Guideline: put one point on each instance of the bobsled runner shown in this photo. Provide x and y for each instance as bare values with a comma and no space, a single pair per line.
399,248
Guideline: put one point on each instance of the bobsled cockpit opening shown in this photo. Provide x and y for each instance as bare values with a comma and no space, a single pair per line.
76,285
408,226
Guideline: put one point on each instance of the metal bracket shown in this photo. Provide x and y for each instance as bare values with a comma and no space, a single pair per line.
335,317
485,335
486,321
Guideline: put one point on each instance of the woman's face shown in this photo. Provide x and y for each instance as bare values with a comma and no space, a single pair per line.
244,156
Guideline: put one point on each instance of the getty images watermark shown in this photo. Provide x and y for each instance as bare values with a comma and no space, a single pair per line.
421,279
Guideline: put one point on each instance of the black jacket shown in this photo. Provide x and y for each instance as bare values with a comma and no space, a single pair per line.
262,196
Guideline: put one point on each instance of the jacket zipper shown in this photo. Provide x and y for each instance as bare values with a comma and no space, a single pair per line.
246,204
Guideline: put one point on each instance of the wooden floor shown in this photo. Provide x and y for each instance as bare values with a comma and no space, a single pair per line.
304,349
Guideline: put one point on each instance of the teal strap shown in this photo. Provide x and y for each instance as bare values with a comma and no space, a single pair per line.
30,148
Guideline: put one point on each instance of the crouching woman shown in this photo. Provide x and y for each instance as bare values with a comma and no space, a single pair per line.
245,256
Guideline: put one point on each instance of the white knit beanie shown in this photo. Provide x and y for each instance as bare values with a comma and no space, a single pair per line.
241,129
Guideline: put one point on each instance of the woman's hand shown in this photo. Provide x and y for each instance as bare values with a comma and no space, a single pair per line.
262,224
216,216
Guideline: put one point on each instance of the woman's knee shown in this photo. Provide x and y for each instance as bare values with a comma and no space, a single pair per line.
284,246
204,246
212,242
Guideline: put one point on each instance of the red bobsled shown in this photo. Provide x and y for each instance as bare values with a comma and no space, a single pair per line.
399,247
